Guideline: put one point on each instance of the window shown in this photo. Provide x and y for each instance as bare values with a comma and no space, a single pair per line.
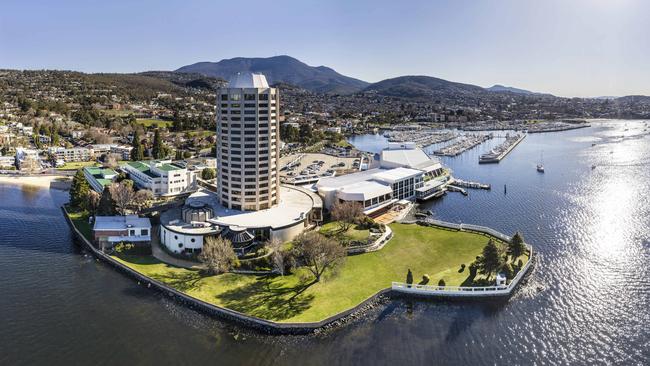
175,237
193,240
235,97
132,232
180,245
144,232
249,97
224,96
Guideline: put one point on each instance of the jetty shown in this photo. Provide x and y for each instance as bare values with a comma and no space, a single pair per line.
500,152
452,188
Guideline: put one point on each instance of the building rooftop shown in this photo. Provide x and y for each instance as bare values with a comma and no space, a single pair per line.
109,223
365,190
397,174
294,206
409,158
248,80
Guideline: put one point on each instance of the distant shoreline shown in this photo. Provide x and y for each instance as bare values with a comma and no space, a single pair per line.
44,181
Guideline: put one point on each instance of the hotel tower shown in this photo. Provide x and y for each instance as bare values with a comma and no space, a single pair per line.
248,146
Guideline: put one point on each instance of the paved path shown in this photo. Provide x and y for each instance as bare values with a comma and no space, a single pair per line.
161,255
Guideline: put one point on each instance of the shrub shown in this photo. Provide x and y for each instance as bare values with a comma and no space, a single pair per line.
462,268
442,283
520,263
425,279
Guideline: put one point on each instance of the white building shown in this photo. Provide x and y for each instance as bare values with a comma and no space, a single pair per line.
403,170
111,230
375,189
123,151
27,159
162,177
183,230
72,154
248,149
408,155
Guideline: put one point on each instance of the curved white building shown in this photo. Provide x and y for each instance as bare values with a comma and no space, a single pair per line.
248,148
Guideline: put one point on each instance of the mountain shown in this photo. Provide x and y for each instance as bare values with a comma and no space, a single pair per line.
422,86
501,88
278,69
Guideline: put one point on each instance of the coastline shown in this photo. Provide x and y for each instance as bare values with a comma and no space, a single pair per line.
44,181
276,327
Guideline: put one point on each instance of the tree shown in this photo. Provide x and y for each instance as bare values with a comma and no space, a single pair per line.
218,255
79,190
106,205
137,153
516,246
92,201
123,195
409,278
305,133
142,199
158,150
318,252
491,259
208,173
346,213
278,255
111,160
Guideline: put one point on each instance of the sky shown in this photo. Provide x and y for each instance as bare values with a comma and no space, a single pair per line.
563,47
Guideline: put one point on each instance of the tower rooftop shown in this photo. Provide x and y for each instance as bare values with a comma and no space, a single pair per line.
248,80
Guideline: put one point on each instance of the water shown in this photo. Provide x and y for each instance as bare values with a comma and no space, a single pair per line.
587,301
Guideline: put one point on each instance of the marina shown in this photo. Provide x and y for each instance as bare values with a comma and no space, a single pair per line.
463,144
500,152
420,137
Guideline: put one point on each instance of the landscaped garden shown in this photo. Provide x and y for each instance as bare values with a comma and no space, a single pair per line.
296,297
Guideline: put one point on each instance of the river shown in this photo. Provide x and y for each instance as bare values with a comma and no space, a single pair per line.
586,302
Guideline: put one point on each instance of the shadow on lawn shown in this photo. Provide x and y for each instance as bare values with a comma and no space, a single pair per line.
182,281
268,299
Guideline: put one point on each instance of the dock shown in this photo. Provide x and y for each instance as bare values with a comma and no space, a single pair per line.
469,184
500,152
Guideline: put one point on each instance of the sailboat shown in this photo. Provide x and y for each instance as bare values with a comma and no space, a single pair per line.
540,165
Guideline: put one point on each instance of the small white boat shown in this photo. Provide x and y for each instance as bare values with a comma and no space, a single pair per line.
540,166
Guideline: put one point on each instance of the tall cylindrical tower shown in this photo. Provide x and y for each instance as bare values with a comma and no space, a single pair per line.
248,146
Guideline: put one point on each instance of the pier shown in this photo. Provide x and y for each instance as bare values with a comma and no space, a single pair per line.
502,150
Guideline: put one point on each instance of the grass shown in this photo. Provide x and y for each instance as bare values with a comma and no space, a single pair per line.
153,122
76,165
294,298
352,233
80,220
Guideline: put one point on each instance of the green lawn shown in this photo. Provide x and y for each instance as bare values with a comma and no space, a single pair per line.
80,220
436,252
75,165
153,122
333,229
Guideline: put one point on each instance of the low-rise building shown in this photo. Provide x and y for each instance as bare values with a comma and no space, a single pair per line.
111,230
99,178
162,177
123,151
72,154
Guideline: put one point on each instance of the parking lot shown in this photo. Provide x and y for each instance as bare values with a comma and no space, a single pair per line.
310,164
